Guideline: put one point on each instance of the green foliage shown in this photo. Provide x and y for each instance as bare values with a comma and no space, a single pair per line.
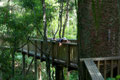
74,75
117,77
5,62
28,4
24,18
111,79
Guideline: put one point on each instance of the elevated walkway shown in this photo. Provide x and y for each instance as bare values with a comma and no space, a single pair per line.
66,55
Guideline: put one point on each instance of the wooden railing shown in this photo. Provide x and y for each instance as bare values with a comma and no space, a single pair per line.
90,71
67,53
108,66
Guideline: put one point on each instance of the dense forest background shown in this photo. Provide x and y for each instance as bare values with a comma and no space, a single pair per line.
21,19
95,25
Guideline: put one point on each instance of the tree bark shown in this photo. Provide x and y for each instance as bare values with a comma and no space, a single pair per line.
40,77
118,5
44,20
45,41
66,19
59,73
80,16
60,16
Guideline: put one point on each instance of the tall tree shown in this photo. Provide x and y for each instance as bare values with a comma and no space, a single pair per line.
118,5
66,19
60,16
45,40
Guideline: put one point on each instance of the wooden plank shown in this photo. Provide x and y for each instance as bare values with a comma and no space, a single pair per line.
111,72
29,66
35,59
68,56
23,64
93,70
102,58
118,67
105,64
98,65
59,73
53,53
41,48
28,48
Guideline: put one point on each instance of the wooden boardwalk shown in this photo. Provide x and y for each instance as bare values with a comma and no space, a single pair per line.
66,55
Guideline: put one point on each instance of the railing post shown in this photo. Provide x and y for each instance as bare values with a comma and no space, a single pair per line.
111,72
105,64
68,57
98,65
118,67
68,61
28,48
59,73
13,63
41,49
53,52
35,60
23,64
39,69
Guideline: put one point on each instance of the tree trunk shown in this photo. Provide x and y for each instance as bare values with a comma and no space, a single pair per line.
13,63
118,5
80,25
45,41
59,73
60,16
66,19
44,20
39,69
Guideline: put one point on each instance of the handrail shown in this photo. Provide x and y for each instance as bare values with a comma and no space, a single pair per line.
107,65
93,70
102,58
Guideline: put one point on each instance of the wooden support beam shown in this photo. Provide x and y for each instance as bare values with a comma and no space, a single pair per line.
111,72
23,64
13,63
53,52
68,75
59,73
28,48
118,67
68,57
29,66
39,69
98,65
105,68
41,47
35,61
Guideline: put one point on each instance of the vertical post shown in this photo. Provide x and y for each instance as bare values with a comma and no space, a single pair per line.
23,64
68,75
40,77
105,63
35,59
111,69
28,48
68,61
98,65
41,50
53,56
13,63
118,67
68,57
59,73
